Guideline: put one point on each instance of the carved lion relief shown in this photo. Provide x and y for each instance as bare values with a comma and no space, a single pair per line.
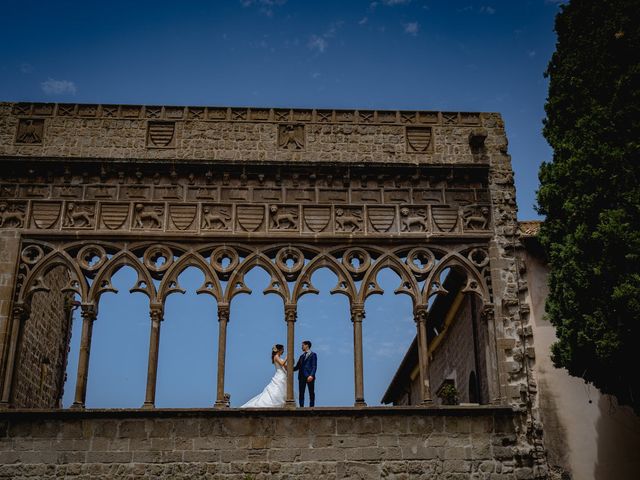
349,219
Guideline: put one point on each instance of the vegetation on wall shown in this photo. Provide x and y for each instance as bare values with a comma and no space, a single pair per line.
590,194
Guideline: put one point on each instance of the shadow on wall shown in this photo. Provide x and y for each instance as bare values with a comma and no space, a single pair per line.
618,430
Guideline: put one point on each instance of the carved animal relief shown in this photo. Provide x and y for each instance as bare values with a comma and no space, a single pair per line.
283,217
291,136
348,220
79,215
12,214
30,131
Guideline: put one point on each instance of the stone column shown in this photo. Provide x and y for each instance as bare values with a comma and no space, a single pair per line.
420,316
290,314
89,313
10,239
494,356
223,320
156,312
18,315
357,315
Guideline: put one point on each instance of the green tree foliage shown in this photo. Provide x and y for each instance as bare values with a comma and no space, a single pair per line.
590,194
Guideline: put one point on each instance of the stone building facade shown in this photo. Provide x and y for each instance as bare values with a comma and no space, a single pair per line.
91,188
457,352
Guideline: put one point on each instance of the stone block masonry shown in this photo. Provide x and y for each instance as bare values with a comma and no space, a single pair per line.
82,185
398,443
246,134
42,353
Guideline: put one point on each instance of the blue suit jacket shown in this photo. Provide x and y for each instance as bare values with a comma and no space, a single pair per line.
307,367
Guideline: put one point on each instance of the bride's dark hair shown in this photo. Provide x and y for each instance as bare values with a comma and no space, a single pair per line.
277,348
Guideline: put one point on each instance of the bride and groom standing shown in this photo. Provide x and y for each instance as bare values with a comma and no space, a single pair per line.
274,394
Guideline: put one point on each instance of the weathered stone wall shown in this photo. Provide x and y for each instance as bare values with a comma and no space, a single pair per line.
454,358
9,255
41,358
276,444
241,134
442,178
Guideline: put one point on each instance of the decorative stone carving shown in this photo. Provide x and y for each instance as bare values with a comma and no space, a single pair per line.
250,217
30,131
12,214
283,217
421,261
291,136
357,261
449,118
148,216
479,257
32,254
79,215
92,257
113,216
414,219
183,217
348,220
161,134
316,219
216,217
46,214
444,217
381,219
418,139
475,217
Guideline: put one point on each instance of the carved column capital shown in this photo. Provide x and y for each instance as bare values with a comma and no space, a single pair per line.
156,312
223,312
89,311
357,312
291,312
20,311
420,313
487,312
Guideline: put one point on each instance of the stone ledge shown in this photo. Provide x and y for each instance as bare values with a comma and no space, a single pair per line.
448,411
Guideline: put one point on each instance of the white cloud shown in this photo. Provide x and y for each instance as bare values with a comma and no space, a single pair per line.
487,9
265,6
363,20
320,43
391,3
58,87
317,43
531,53
411,28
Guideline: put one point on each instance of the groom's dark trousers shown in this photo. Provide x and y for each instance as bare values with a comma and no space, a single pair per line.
306,367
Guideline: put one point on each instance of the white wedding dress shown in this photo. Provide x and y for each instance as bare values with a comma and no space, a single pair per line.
274,394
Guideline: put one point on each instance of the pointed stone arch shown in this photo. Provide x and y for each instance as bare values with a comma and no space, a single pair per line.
345,286
55,258
408,284
169,284
124,258
475,283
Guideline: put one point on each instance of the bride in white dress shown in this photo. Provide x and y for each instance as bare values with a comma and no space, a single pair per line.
274,394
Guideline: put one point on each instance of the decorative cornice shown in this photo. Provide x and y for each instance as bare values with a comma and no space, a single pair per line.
245,114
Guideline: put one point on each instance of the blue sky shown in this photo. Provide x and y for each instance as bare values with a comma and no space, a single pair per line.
388,54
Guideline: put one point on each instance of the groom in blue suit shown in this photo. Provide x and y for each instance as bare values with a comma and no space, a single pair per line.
306,368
